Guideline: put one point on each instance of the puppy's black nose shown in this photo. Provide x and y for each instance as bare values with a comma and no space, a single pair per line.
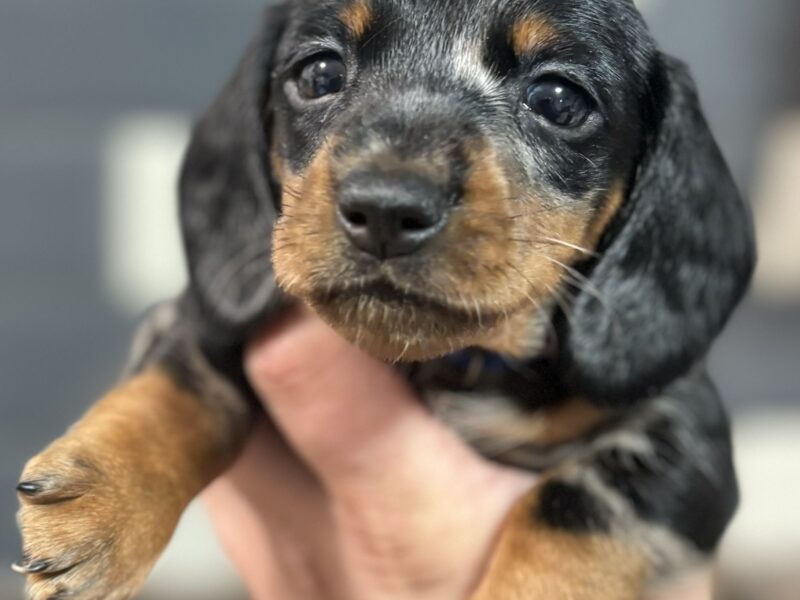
390,215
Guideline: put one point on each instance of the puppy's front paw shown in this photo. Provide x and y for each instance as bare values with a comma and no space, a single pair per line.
92,525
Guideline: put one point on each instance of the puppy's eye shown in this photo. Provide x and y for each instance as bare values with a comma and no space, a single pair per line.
561,102
322,76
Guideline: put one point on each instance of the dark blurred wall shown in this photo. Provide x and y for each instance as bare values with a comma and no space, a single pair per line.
745,55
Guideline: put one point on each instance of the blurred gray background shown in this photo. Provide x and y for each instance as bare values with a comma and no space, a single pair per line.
95,101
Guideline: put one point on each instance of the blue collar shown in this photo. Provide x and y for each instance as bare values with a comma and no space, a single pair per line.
473,365
476,369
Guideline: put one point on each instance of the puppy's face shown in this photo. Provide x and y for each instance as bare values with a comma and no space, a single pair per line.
444,163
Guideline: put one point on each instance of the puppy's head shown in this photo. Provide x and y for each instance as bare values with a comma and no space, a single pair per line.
438,174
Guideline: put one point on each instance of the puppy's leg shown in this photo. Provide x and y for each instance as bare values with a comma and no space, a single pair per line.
100,504
537,562
636,505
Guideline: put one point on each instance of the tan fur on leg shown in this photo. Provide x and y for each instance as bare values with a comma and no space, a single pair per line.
100,504
536,562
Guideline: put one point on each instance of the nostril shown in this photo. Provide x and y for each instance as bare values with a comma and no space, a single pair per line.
356,218
413,224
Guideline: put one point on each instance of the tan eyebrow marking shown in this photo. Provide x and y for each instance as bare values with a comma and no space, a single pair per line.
530,34
357,17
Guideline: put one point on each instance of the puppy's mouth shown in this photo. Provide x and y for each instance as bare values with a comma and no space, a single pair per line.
397,322
392,295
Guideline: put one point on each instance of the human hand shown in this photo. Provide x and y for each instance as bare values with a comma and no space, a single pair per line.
356,492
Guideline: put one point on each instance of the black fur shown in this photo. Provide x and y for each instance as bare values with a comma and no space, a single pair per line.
677,263
228,204
687,482
571,507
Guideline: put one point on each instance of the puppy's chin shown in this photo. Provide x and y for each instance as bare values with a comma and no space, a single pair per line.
400,330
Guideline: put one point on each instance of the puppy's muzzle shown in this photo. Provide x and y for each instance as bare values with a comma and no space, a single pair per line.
389,215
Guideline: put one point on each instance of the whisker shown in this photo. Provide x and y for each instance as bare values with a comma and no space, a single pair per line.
587,159
528,281
564,302
580,281
566,244
372,38
580,278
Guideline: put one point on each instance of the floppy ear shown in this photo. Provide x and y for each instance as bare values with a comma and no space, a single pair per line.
676,264
227,207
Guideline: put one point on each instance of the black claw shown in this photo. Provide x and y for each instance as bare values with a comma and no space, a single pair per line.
29,488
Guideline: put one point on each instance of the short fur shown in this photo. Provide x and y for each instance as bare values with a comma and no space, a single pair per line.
559,320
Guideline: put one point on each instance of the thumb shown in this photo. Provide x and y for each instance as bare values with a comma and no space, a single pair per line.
357,422
344,412
412,500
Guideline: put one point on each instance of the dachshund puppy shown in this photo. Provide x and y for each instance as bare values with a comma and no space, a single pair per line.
519,202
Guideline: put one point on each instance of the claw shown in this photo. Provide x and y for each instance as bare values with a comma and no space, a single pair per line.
29,488
30,568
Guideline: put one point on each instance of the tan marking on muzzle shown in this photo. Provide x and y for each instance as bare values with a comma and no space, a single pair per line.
306,234
489,264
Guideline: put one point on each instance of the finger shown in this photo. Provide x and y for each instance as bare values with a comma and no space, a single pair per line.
267,480
408,496
346,413
234,504
333,402
698,586
267,510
